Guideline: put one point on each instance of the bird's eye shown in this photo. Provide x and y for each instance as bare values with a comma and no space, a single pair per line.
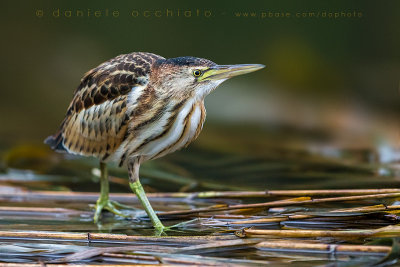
197,73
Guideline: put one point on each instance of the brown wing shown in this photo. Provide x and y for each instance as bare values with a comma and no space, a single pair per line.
96,120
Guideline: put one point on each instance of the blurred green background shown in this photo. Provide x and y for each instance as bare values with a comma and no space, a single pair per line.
324,113
336,74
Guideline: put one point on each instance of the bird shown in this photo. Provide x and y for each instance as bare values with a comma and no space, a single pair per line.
138,107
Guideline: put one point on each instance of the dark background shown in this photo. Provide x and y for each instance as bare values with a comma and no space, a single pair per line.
340,75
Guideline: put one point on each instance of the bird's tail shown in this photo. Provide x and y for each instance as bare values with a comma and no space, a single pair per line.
56,142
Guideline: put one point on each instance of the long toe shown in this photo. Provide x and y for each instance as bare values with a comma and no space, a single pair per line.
162,230
110,206
121,206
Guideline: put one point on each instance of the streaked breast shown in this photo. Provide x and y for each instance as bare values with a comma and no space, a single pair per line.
176,128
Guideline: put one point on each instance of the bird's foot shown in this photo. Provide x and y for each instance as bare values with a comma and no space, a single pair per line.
112,206
121,206
161,229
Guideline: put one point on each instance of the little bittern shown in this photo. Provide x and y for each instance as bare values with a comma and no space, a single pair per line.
138,107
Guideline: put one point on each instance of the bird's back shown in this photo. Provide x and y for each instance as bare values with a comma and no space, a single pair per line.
96,122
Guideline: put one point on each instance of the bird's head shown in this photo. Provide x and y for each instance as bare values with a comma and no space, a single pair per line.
195,77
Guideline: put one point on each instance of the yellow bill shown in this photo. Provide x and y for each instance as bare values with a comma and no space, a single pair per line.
220,72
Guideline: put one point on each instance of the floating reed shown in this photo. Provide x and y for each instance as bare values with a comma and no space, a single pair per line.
280,203
126,197
329,248
362,210
387,231
91,237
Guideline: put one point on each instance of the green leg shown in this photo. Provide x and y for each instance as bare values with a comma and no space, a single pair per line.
137,188
104,202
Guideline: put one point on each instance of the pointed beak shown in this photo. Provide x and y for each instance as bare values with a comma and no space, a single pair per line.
223,72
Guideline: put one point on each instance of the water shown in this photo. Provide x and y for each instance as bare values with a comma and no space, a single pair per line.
199,168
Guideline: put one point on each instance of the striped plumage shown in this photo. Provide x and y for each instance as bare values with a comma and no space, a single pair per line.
117,113
138,107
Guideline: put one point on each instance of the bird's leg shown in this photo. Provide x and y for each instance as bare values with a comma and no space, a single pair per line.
104,201
137,188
